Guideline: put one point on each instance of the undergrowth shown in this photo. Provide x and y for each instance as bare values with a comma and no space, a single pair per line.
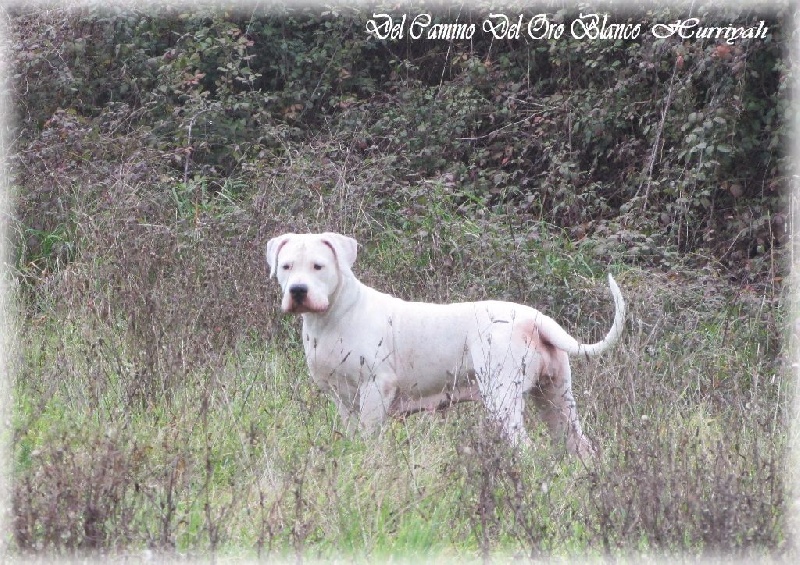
247,458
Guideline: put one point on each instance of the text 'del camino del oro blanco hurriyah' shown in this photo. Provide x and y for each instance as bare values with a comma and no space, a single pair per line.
543,27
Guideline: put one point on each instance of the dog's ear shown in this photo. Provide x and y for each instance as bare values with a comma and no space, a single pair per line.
345,248
273,247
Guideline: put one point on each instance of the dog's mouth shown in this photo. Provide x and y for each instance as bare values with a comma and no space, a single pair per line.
306,310
303,308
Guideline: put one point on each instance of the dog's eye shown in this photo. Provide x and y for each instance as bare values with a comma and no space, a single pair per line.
317,267
286,266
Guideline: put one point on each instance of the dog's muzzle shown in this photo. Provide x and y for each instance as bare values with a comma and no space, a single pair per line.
299,293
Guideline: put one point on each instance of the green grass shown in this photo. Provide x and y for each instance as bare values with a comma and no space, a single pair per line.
245,457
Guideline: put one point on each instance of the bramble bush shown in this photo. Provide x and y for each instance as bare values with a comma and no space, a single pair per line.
675,141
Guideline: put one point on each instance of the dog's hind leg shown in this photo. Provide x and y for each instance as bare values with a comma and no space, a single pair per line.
553,397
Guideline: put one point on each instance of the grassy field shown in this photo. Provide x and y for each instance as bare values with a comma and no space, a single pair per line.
243,457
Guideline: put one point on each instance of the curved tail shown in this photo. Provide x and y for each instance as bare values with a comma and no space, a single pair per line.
616,328
556,335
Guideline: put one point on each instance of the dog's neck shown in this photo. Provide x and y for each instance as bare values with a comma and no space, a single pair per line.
343,299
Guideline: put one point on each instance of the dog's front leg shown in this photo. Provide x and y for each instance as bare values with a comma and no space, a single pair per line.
347,415
375,397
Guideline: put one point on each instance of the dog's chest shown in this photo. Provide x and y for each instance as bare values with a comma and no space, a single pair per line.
341,363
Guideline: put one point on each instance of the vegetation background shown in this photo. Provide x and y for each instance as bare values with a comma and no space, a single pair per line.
161,403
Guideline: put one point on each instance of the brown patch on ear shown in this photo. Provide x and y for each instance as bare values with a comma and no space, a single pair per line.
272,256
344,249
274,247
332,247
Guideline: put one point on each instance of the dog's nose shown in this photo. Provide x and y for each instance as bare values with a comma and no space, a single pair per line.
298,292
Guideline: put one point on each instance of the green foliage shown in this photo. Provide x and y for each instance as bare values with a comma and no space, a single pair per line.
248,459
676,142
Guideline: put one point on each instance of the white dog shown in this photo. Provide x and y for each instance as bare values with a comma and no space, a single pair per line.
380,356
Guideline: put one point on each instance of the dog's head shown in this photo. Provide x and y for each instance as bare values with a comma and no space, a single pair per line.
310,268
